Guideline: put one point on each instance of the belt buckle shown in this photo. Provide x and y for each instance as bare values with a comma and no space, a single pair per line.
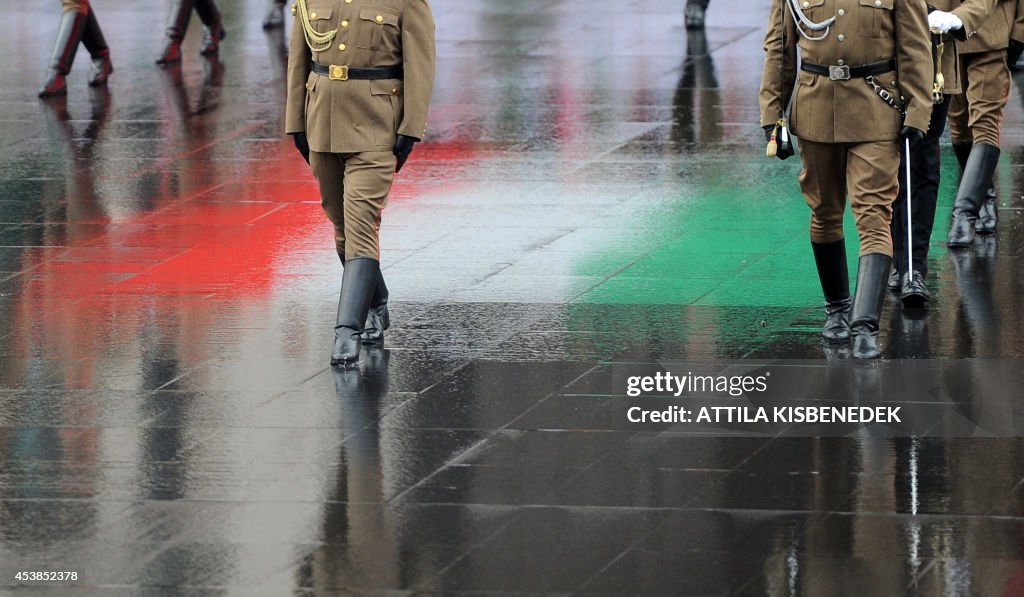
340,73
839,73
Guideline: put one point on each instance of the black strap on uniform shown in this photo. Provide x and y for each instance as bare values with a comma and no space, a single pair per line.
388,72
842,73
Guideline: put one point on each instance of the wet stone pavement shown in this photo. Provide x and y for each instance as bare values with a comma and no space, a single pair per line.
592,203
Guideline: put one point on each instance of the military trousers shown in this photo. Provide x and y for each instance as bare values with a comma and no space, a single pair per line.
867,173
354,189
924,176
976,115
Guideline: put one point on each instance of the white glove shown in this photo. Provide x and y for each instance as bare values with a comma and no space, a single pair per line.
944,21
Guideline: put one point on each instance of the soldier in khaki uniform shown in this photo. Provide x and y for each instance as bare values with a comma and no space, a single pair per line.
360,75
949,19
863,63
975,116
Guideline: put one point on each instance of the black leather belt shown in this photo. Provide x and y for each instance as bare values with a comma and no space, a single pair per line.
843,72
344,73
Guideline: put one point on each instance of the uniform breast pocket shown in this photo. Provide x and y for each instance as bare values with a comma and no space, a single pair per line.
814,10
379,30
876,18
320,14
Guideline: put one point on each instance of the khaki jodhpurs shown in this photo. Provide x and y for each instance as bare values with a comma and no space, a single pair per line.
354,189
976,115
868,173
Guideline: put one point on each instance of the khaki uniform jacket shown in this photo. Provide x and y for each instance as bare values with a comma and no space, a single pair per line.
972,13
360,115
865,32
993,32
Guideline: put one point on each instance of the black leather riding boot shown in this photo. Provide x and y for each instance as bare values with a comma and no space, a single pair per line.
177,23
275,15
693,13
974,186
377,318
830,260
96,44
69,34
357,286
867,305
962,151
214,31
988,215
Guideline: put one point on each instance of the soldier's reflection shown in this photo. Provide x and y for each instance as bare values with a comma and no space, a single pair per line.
359,544
80,199
696,111
978,386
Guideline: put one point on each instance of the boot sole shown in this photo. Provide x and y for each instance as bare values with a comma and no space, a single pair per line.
914,301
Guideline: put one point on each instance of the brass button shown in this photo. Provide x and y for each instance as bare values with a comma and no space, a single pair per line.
312,15
840,62
307,85
840,37
394,91
380,18
841,12
342,47
348,1
878,2
344,23
295,10
807,4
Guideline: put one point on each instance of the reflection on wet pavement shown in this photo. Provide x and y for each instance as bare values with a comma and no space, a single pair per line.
592,200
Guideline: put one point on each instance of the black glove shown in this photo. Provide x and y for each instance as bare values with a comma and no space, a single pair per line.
302,144
1013,52
403,147
914,135
768,128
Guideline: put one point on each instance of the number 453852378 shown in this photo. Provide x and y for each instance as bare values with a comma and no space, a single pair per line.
45,576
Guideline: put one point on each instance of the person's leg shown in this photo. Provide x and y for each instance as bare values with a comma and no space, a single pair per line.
275,14
214,30
73,17
823,183
368,178
986,90
177,23
924,174
96,44
873,183
693,13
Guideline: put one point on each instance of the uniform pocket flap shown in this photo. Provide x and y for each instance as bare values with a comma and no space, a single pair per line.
385,87
320,14
811,3
380,16
887,4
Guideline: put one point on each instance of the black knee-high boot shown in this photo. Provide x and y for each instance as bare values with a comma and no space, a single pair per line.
830,260
867,305
357,286
96,44
214,30
177,23
275,15
378,318
69,34
972,193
